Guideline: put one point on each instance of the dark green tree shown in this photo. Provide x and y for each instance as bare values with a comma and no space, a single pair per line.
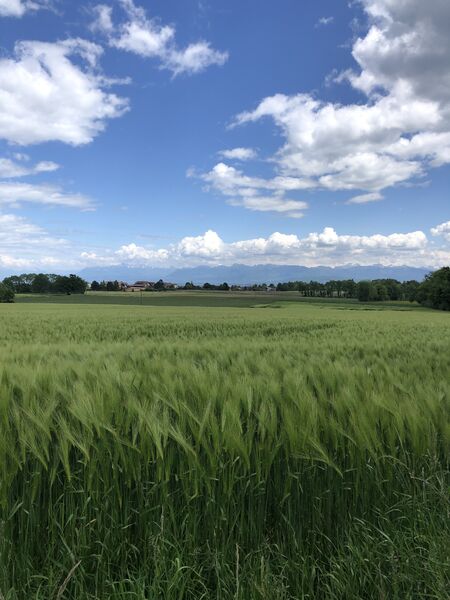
435,290
112,286
95,286
21,284
73,284
410,289
364,291
6,293
41,284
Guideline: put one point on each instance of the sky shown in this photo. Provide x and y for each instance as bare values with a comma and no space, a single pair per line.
187,132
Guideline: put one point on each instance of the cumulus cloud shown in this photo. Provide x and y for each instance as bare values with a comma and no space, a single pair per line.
398,133
443,229
10,169
256,193
149,39
15,194
238,154
46,96
326,247
407,48
17,8
27,245
132,252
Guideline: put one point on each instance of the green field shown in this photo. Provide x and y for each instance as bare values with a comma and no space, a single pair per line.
223,446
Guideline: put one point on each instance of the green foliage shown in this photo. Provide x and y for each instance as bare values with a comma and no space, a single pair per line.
365,291
72,284
7,293
435,290
41,284
112,286
159,285
223,453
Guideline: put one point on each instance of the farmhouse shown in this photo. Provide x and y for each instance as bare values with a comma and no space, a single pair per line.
140,286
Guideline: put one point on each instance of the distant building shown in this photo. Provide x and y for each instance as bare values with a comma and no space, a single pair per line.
140,286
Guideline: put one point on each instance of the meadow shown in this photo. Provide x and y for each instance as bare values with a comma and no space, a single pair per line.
220,448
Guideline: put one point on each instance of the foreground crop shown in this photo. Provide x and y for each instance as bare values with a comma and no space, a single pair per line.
226,454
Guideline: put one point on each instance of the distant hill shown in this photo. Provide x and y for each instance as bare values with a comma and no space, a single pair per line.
243,274
124,273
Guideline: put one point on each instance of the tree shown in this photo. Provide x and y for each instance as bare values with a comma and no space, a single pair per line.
112,286
410,289
364,291
381,292
21,284
435,290
73,284
6,293
95,286
159,285
40,284
349,287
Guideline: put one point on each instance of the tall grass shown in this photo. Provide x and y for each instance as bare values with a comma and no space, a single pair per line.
223,454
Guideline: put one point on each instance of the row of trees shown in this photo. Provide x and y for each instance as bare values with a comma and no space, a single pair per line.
378,289
224,287
106,286
433,292
43,283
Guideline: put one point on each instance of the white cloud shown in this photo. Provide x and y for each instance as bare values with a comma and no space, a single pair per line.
364,198
149,39
195,58
251,192
399,132
45,96
102,19
25,245
238,153
406,47
206,246
324,21
290,208
318,248
14,194
442,229
132,252
10,169
17,8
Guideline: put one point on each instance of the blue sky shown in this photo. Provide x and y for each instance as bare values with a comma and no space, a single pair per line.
168,132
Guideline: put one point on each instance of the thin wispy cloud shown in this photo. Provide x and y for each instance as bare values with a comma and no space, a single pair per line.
146,37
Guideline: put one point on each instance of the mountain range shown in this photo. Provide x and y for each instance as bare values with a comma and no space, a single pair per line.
239,274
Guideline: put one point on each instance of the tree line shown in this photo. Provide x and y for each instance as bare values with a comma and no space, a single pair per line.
41,283
433,292
365,291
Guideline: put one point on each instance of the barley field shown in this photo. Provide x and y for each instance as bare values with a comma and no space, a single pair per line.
285,450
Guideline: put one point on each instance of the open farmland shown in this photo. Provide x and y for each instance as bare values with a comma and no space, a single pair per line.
295,450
